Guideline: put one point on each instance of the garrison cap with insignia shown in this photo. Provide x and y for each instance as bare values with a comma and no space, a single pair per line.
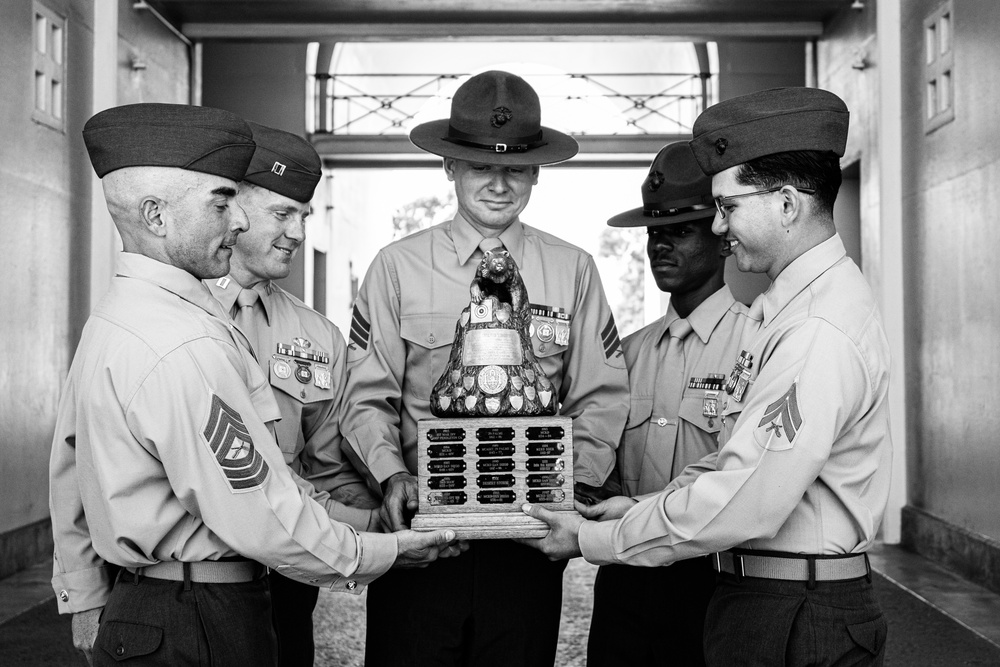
284,163
202,139
495,119
675,190
778,120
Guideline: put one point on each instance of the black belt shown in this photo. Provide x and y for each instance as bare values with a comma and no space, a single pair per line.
792,567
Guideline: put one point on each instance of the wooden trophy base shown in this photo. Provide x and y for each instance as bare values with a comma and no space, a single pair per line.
474,474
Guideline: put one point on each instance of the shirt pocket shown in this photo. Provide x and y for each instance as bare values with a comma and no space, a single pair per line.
544,337
696,411
633,445
288,392
428,345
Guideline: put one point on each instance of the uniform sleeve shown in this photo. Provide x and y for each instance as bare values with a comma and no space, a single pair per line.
81,579
224,468
376,363
810,390
594,392
323,461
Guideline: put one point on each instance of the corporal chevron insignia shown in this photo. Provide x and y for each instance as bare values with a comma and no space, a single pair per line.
609,336
228,438
360,330
781,421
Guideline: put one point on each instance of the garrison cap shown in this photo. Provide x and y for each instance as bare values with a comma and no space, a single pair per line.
778,120
202,139
675,190
284,163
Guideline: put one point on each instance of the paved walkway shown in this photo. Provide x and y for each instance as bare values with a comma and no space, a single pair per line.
935,618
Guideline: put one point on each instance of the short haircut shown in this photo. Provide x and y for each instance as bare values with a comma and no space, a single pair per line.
819,170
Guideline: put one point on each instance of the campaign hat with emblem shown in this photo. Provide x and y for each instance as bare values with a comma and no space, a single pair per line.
675,190
204,139
778,120
495,119
284,163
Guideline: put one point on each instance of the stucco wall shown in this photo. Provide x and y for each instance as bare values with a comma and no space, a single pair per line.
45,197
951,197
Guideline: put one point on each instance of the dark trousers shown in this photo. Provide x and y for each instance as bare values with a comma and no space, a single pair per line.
292,605
768,622
499,603
650,615
157,622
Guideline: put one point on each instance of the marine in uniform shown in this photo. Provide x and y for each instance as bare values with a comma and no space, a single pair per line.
163,465
802,477
500,602
302,354
677,368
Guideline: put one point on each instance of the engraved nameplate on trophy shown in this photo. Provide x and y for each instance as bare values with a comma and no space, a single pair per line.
497,442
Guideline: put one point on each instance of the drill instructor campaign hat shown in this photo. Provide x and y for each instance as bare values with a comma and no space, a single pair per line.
778,120
284,163
675,190
495,119
203,139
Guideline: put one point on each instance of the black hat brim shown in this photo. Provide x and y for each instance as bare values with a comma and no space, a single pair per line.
636,218
430,136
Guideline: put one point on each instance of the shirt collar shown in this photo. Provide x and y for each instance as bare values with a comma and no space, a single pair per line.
226,289
174,280
705,318
467,239
798,275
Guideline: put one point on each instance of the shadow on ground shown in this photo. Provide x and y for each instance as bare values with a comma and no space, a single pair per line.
919,635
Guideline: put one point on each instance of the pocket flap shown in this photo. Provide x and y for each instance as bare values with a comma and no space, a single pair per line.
693,411
639,411
430,331
123,641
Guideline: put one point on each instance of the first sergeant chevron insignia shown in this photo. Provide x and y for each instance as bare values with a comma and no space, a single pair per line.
782,420
228,438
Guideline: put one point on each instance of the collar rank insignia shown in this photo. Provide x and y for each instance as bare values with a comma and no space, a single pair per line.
229,440
781,422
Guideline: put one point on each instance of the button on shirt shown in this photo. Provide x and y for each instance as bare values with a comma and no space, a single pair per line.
308,433
404,325
162,452
805,456
668,428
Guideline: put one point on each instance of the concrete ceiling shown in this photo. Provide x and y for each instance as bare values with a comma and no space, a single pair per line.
363,20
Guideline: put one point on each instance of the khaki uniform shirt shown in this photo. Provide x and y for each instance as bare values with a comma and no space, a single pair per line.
304,357
661,439
805,453
404,325
162,452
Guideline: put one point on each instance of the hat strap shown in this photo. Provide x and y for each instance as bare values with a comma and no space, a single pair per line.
670,212
516,145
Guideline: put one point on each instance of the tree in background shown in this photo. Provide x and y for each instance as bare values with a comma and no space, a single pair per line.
421,214
628,245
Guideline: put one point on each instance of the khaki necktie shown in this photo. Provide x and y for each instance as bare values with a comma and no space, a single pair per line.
245,318
673,383
490,243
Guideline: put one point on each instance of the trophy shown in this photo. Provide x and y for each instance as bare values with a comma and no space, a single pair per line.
496,442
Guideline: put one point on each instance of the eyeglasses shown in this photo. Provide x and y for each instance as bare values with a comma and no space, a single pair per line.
721,202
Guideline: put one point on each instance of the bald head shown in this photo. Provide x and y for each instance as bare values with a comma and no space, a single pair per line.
185,218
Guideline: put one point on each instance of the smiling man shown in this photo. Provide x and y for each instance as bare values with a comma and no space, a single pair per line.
677,367
163,463
801,481
301,352
500,603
